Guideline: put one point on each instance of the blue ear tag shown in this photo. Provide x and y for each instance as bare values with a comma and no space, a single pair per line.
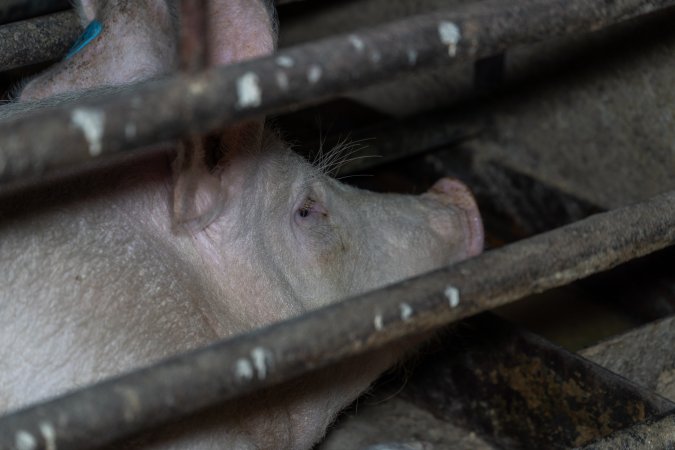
90,33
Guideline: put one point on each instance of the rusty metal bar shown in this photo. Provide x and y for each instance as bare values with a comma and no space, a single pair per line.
186,383
193,32
13,10
182,105
36,40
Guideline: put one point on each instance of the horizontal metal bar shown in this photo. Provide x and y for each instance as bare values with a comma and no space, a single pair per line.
188,382
13,10
176,107
36,40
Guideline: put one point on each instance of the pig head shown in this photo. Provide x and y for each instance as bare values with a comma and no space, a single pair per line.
102,281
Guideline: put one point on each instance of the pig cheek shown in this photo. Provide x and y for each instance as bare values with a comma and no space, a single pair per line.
324,250
325,247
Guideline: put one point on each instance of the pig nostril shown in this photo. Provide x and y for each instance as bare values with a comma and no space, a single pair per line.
454,193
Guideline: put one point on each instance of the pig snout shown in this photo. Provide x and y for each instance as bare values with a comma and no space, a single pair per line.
454,194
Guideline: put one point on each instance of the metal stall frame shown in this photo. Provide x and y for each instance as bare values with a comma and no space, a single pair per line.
184,104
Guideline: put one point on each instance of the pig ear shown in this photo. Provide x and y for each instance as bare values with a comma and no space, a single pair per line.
240,30
200,191
198,195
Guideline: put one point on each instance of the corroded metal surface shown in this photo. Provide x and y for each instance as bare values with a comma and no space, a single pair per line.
382,420
41,39
523,391
644,355
13,10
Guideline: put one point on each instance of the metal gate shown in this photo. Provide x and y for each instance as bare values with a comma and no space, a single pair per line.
496,384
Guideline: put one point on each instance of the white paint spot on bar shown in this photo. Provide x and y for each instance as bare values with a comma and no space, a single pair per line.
244,369
132,403
357,42
285,61
24,441
248,91
378,323
196,87
282,80
376,57
452,294
314,74
130,130
412,56
450,36
260,358
91,122
406,311
49,434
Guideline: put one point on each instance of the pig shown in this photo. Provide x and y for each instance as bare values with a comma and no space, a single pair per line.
97,279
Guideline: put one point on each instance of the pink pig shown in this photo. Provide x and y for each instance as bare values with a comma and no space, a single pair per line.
96,280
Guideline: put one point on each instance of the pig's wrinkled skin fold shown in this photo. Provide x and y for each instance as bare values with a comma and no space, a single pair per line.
97,280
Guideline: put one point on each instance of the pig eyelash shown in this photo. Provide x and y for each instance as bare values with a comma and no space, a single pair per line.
329,163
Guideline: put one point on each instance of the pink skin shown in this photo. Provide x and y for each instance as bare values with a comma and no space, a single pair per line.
454,192
105,283
126,51
228,41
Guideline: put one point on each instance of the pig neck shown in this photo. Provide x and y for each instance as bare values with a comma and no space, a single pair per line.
221,255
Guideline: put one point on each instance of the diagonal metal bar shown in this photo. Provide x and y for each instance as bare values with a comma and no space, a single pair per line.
37,40
13,10
186,383
186,104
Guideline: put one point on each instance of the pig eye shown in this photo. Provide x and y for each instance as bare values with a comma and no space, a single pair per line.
310,208
306,208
